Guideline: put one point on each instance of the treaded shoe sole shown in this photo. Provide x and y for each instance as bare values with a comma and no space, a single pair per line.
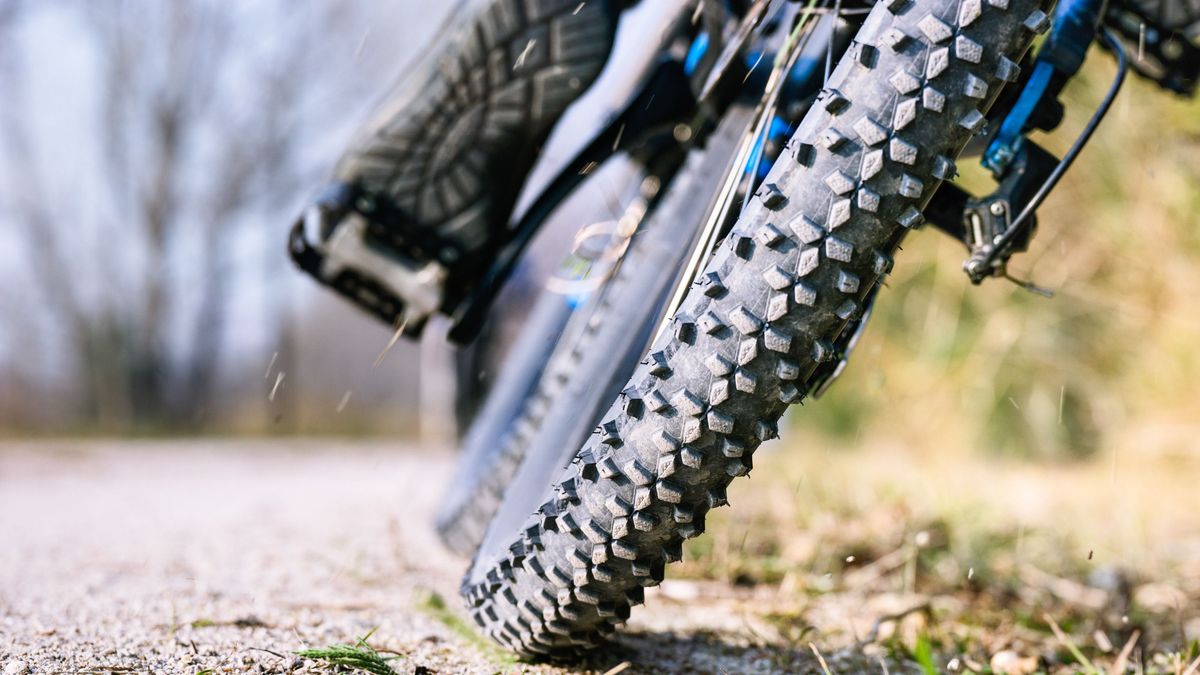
453,144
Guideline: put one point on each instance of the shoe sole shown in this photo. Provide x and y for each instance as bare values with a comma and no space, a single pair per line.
453,145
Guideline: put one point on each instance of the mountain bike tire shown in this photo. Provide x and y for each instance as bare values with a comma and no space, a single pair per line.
558,403
487,462
812,244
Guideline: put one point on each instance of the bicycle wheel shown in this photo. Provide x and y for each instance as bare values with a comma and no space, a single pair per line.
746,342
563,325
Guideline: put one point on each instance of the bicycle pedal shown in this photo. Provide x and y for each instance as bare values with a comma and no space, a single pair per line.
332,242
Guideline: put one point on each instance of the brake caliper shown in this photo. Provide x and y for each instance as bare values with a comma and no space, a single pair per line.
986,220
995,227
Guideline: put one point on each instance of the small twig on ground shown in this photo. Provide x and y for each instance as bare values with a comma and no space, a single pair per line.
1067,642
820,659
1102,641
268,651
873,635
1118,666
619,668
1065,589
873,571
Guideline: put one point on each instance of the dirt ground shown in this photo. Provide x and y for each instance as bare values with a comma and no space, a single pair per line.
230,556
186,557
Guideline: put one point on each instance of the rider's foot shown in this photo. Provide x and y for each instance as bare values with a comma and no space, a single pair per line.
435,174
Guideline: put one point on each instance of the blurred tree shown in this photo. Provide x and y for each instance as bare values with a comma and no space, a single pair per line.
200,112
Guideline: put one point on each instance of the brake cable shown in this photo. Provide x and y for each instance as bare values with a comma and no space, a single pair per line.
979,263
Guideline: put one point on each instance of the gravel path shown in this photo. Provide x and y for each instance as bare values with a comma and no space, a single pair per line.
181,557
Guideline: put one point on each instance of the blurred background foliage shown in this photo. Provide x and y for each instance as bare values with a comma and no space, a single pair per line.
152,157
1111,360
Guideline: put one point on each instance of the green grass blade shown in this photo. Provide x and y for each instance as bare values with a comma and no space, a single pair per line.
359,656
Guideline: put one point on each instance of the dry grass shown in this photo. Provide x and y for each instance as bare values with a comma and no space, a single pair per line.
955,561
1000,482
1111,361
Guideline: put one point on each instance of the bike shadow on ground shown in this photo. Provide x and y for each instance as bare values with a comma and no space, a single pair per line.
697,652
